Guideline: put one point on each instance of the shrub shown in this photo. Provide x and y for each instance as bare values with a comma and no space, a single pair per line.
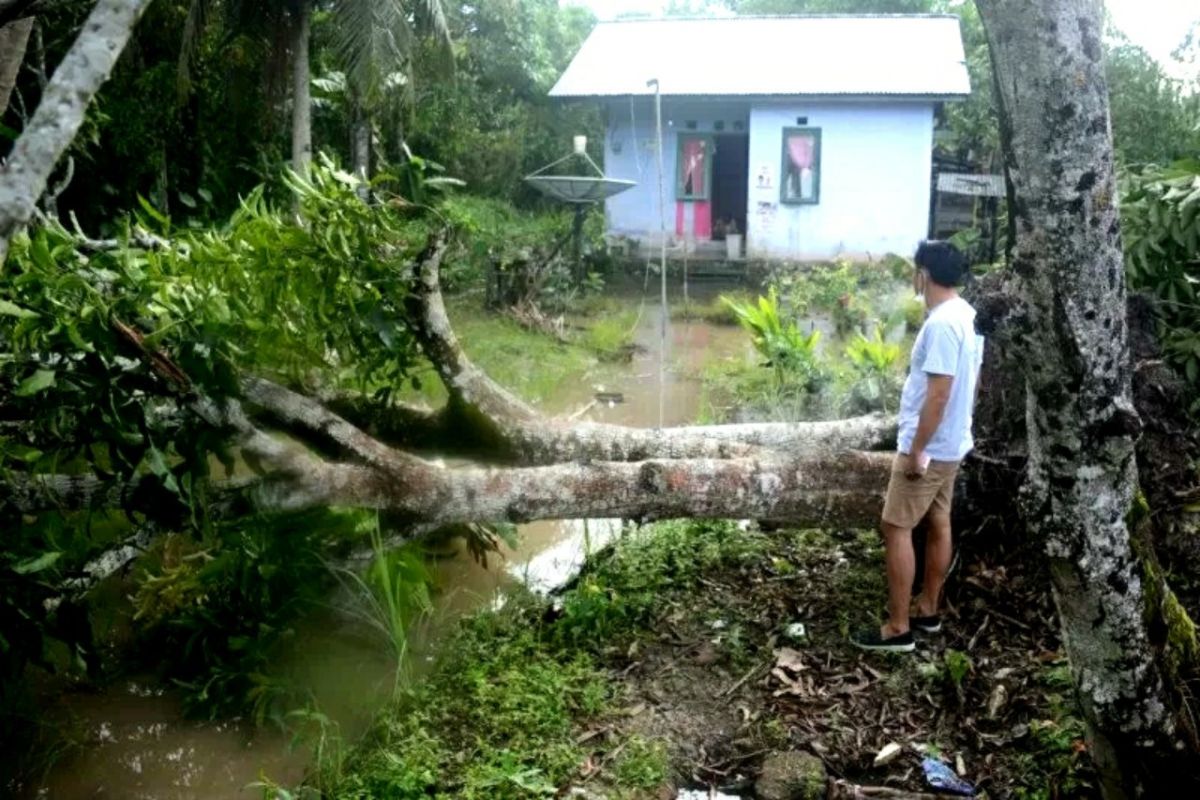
873,362
789,351
1160,227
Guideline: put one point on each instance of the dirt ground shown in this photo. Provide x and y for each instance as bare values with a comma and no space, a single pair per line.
726,678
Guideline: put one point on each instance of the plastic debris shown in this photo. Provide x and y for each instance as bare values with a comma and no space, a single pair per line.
795,631
888,754
942,777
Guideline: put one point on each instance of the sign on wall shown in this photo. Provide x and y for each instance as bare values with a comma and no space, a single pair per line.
969,184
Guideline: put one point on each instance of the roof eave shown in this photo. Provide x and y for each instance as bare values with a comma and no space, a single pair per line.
936,97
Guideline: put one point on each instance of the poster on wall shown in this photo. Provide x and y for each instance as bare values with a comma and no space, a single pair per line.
765,177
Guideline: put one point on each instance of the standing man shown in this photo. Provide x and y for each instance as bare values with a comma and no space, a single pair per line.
933,437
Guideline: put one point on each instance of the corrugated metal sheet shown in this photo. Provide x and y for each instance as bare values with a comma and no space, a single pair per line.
807,55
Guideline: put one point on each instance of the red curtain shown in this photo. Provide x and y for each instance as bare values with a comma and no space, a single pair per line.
693,166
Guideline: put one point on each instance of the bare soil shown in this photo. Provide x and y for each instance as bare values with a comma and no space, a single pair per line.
720,681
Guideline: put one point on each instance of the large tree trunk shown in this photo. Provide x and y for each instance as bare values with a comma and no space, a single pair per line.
1070,329
60,113
301,94
14,37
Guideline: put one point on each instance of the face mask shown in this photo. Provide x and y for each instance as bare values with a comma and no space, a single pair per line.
919,284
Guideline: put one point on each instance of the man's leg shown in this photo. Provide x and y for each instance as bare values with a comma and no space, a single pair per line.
938,552
898,555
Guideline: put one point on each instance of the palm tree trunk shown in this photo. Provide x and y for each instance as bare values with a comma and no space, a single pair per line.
360,145
13,39
301,95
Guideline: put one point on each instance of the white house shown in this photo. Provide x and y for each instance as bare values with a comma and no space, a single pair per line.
811,135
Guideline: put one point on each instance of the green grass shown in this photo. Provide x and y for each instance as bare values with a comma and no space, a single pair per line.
713,310
534,365
500,714
610,336
618,598
496,719
641,764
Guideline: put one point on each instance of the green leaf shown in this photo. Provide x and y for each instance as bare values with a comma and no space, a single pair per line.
42,562
20,452
153,212
158,465
11,309
39,381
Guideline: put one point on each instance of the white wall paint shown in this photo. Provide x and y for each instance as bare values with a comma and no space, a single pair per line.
876,159
629,154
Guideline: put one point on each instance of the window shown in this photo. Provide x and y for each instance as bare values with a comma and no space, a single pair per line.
801,174
694,171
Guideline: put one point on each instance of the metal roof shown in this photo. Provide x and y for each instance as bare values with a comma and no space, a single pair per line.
879,54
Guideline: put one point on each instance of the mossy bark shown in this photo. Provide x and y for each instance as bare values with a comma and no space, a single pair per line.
1071,334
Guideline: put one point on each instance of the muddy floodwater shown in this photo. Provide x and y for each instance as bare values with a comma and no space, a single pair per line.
138,744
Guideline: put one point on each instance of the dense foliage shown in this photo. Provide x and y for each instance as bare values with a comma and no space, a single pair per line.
198,110
1160,226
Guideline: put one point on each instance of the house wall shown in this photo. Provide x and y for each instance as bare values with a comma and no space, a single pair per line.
876,161
629,154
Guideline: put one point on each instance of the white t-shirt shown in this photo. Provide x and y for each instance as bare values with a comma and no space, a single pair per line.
946,345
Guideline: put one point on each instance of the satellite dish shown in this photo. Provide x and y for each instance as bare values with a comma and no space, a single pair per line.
577,188
590,187
580,190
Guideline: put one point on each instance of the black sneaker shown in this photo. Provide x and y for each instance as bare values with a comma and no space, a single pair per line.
872,640
931,624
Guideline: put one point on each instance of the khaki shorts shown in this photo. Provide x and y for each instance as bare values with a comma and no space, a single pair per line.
908,501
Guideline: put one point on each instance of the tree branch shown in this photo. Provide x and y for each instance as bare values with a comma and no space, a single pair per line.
61,111
521,433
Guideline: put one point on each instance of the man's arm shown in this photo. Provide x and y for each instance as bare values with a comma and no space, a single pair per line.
936,397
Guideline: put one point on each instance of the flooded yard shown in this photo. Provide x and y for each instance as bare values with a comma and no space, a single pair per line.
134,740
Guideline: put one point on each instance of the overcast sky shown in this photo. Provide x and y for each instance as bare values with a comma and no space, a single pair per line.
1157,25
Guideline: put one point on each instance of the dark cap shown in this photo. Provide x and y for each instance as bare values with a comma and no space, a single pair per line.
944,263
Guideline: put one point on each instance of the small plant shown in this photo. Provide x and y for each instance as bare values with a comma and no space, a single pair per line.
950,672
1055,752
641,764
393,591
791,352
850,313
872,354
914,314
958,665
873,362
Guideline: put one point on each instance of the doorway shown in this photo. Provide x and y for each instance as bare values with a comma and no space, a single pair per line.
730,183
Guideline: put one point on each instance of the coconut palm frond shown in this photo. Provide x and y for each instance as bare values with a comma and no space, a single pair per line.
373,39
433,20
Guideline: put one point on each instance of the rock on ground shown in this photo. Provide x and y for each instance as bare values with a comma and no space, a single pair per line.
791,775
